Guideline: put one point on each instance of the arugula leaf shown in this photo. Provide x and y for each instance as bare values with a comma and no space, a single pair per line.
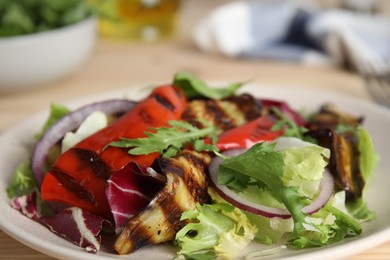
169,140
22,182
56,113
194,87
291,129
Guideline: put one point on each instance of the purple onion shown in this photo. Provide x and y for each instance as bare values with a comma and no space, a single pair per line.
68,123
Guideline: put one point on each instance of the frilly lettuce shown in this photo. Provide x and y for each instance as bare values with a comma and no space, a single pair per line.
304,164
329,225
272,168
218,227
368,160
22,182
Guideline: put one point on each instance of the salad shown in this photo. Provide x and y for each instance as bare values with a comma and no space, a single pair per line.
32,16
206,170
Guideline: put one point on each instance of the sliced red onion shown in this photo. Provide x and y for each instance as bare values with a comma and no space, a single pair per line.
68,123
326,191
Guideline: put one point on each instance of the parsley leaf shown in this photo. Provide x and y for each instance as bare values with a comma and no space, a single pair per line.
194,87
169,140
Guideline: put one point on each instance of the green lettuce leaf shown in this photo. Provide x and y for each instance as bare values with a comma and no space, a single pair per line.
368,161
304,167
263,163
22,182
218,227
57,111
194,87
329,225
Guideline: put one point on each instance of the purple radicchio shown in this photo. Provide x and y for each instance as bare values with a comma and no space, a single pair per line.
74,224
129,190
285,108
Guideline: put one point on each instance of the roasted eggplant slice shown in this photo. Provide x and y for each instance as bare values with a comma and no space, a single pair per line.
337,131
185,186
329,117
226,113
344,160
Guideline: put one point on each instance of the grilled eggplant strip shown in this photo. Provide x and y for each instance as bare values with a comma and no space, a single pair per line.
225,114
344,160
330,117
186,185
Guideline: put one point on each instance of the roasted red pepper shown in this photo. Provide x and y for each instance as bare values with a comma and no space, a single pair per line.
78,178
248,134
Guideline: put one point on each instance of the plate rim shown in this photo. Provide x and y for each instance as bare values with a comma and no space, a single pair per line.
363,243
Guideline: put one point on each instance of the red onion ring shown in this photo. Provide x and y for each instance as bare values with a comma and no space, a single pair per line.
326,191
68,123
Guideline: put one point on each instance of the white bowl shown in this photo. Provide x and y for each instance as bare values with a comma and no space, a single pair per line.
36,59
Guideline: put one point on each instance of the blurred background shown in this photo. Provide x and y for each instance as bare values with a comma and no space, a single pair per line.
146,35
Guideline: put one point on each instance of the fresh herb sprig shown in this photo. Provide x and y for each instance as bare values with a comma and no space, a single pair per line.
170,140
291,129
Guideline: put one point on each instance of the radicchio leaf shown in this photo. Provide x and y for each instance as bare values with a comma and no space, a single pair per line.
128,191
27,205
74,224
285,108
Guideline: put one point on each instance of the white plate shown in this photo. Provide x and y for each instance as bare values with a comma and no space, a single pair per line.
16,143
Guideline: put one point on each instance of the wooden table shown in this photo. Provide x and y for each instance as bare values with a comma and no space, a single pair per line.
119,64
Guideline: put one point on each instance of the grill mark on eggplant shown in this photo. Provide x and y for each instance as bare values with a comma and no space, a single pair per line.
92,160
219,115
72,185
160,220
191,117
249,106
226,113
200,164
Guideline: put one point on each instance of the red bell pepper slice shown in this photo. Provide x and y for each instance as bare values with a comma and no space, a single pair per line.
249,134
78,178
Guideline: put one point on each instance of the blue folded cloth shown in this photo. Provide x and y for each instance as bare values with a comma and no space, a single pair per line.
283,30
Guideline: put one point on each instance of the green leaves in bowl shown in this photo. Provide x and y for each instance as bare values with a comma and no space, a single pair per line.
32,16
